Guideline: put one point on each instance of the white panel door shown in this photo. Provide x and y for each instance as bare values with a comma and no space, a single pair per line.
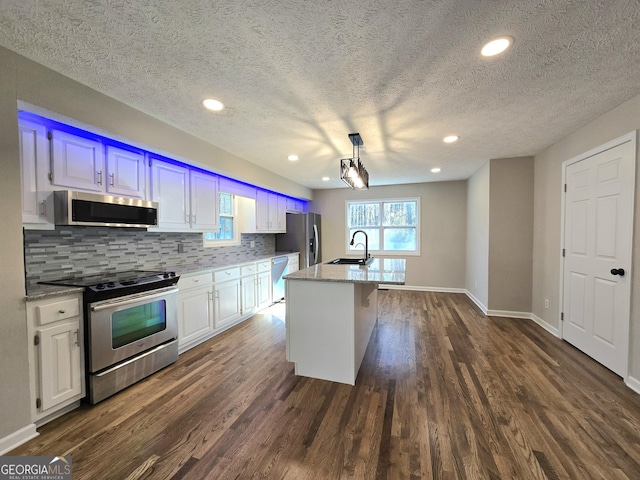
78,163
126,172
170,188
60,374
597,231
262,211
204,202
264,289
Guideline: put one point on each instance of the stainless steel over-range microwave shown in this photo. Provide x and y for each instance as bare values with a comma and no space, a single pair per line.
80,208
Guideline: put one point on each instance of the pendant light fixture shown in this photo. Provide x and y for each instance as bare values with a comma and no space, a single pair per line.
352,171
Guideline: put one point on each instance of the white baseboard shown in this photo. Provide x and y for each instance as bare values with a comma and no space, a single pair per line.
422,289
476,301
547,326
508,314
16,439
633,384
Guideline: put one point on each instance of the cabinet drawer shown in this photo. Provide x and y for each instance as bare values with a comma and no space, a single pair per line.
248,269
193,281
226,274
53,312
264,266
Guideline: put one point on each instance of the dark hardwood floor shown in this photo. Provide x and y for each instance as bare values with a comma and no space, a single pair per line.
443,393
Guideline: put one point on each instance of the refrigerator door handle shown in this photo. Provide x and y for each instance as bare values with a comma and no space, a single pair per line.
316,237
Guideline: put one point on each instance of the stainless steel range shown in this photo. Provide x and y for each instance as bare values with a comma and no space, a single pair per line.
131,327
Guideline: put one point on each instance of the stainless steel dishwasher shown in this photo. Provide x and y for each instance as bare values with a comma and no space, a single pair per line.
279,268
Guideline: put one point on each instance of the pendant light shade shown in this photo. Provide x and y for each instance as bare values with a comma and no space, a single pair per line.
352,171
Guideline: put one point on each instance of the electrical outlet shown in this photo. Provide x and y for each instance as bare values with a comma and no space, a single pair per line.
546,303
253,244
180,247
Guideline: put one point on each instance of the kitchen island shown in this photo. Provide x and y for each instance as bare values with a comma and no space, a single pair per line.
331,313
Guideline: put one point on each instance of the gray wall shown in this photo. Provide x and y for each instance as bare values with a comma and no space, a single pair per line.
547,215
477,247
443,221
14,372
510,234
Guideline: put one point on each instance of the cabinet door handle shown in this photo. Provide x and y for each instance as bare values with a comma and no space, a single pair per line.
194,219
186,218
112,179
100,177
43,208
77,332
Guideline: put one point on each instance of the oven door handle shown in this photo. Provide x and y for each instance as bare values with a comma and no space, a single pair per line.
136,298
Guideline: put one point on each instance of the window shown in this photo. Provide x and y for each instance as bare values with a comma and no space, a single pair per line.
392,226
228,232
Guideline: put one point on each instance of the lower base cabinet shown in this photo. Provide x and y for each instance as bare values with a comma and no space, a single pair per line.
56,355
228,308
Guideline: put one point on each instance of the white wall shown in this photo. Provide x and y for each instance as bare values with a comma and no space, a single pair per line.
443,225
477,246
547,214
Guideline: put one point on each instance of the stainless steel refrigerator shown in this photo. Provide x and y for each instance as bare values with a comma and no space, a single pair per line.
303,235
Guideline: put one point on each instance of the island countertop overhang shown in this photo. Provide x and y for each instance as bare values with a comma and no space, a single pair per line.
390,271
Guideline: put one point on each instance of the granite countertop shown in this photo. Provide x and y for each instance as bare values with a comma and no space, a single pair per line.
37,292
389,271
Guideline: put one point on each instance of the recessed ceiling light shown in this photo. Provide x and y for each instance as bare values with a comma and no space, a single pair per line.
496,46
293,158
451,139
436,170
212,104
325,179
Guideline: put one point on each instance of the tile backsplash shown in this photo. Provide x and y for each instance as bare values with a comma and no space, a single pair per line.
67,251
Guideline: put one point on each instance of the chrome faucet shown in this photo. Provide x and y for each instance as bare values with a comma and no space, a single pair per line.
366,242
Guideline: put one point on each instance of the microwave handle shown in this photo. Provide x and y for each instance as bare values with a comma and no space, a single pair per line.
132,299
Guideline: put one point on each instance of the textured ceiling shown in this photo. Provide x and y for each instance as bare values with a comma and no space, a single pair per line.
298,76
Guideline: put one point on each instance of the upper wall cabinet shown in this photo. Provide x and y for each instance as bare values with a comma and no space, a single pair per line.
126,173
37,204
295,206
188,199
270,212
78,163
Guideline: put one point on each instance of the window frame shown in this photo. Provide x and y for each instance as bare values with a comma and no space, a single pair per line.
236,240
381,227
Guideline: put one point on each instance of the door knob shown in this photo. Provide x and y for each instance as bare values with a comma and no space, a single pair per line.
617,271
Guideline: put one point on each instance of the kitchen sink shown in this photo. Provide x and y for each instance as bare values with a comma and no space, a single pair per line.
351,261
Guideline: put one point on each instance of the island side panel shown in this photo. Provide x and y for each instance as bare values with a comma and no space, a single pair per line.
320,329
366,315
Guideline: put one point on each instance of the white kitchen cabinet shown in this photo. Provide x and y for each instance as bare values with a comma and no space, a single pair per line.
204,201
56,355
293,264
248,286
227,304
263,287
195,310
126,173
170,188
77,162
80,163
270,212
187,199
37,201
294,206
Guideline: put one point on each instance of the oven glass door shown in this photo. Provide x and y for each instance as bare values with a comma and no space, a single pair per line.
134,323
123,327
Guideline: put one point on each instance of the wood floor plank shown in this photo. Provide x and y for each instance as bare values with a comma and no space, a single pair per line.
444,392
